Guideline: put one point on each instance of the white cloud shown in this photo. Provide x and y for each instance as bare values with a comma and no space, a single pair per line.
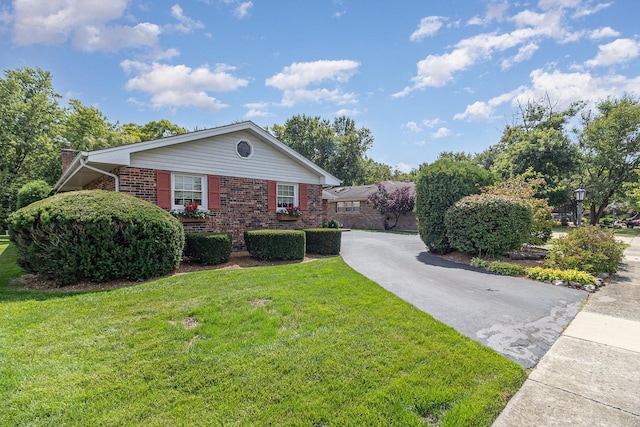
586,10
243,9
181,86
349,112
83,21
433,122
441,133
412,127
602,33
294,81
524,53
478,111
531,28
187,24
616,52
428,27
257,109
495,12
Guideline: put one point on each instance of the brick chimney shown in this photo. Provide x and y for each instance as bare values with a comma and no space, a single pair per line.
67,156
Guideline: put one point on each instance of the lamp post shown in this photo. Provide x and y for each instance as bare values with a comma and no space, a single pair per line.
580,193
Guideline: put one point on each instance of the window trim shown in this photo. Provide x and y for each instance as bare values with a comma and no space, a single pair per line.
204,182
296,195
348,206
250,152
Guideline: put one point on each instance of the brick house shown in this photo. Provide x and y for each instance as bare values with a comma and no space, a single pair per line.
349,206
240,174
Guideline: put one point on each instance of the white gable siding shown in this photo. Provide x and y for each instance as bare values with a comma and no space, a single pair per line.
217,156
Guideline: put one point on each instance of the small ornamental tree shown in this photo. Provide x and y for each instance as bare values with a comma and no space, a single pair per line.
392,205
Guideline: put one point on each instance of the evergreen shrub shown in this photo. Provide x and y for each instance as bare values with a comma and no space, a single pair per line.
96,235
488,224
275,244
323,241
438,186
208,248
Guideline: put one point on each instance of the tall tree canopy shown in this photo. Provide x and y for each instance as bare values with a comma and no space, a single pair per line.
610,143
539,141
30,141
339,147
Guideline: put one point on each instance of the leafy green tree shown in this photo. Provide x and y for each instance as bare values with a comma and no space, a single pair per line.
339,147
438,187
86,128
152,130
29,133
610,143
539,140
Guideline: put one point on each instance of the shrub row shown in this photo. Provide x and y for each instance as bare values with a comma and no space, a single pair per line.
292,244
535,273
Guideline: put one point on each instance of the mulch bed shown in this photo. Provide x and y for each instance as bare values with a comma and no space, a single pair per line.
238,260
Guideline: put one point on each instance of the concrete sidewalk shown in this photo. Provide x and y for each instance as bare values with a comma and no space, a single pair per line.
591,375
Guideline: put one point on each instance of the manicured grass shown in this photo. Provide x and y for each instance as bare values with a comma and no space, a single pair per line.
300,344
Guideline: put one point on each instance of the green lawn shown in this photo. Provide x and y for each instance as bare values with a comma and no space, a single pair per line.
302,344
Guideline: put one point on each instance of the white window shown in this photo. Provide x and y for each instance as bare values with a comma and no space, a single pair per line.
287,196
347,207
188,188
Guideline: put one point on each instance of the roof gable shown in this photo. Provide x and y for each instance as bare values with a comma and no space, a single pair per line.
87,165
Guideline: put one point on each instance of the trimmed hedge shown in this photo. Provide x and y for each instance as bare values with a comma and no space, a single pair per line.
31,192
488,224
208,248
323,241
96,235
438,186
275,244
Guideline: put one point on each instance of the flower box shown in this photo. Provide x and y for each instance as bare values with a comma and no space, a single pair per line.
285,217
191,219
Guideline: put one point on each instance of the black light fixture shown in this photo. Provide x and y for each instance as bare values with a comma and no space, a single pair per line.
580,193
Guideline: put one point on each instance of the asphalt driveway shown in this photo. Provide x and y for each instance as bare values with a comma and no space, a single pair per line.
517,317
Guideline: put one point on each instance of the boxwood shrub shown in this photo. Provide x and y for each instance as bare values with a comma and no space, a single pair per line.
208,248
97,236
488,224
323,241
275,244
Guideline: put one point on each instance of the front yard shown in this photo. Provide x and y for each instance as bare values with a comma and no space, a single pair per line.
299,344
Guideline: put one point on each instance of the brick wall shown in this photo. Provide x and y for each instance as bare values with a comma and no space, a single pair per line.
368,218
243,203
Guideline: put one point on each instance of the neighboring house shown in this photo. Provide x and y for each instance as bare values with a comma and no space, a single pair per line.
241,174
349,206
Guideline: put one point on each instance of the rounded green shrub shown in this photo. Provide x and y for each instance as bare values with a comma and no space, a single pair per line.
587,248
323,241
438,187
275,244
208,248
96,235
31,192
488,224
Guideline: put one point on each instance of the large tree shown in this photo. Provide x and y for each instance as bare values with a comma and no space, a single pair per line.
539,140
86,128
610,143
151,130
339,147
29,132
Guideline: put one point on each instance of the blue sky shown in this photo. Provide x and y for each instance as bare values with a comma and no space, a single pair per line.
424,75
